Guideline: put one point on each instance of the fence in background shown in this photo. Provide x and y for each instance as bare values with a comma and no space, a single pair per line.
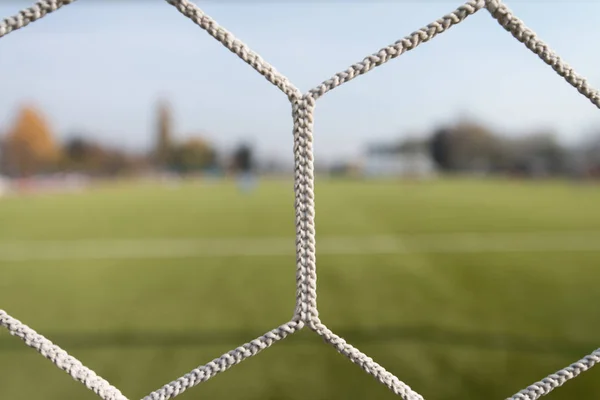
305,313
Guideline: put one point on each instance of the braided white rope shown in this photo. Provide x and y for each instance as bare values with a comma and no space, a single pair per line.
306,312
557,379
526,36
365,362
226,361
306,268
205,22
31,14
398,48
60,358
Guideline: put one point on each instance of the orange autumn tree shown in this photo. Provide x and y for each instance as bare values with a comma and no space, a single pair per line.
31,148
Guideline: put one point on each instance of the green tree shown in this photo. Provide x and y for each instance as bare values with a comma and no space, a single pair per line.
193,155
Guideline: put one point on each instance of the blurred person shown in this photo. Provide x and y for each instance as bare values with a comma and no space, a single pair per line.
244,167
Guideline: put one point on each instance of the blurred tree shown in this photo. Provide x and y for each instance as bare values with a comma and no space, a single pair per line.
83,155
79,150
29,146
586,160
440,148
4,167
475,148
539,153
466,147
118,163
193,155
472,147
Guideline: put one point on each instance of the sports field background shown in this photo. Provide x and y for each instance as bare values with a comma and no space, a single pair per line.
464,289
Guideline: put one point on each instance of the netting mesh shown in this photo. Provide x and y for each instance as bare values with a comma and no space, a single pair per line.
306,312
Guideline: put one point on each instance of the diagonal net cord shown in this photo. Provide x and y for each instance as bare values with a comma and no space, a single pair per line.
31,14
223,363
523,34
557,379
236,46
60,358
366,363
306,312
398,48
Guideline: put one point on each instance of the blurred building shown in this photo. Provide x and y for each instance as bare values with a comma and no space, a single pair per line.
164,133
398,162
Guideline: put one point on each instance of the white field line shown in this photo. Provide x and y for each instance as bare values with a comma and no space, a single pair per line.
448,243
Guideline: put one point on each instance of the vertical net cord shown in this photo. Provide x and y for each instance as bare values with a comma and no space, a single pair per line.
304,205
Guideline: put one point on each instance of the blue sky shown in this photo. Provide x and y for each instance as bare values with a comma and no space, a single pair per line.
99,67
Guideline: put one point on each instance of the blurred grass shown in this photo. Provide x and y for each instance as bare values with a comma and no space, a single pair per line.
479,325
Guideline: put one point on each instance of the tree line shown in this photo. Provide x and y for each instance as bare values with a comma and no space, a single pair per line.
30,148
472,147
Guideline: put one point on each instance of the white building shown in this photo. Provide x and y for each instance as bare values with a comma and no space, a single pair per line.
398,164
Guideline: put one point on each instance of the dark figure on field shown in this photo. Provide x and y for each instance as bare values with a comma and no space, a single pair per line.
244,167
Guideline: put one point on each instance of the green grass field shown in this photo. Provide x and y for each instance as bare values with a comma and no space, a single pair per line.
463,289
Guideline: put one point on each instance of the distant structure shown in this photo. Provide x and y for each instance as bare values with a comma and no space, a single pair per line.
4,186
4,165
163,135
405,161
